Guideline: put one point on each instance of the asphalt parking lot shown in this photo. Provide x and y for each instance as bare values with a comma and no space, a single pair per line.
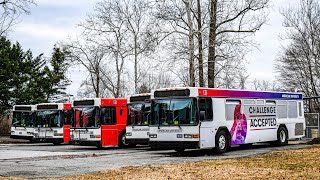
46,160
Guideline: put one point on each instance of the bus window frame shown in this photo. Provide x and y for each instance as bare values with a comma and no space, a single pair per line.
206,114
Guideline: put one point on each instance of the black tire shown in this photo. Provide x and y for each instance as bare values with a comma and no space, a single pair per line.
122,140
222,142
282,137
56,143
99,146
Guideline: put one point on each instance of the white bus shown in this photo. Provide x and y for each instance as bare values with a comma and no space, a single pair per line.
22,126
53,122
206,118
137,130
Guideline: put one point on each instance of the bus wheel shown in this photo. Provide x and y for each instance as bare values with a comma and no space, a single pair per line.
122,140
282,136
221,142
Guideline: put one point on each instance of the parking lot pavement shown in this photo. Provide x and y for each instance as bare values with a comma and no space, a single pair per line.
47,160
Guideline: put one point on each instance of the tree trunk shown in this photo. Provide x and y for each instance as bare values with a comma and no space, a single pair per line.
211,44
135,65
191,44
200,57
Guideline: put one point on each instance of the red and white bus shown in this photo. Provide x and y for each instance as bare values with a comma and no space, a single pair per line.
22,126
99,122
137,130
53,122
207,118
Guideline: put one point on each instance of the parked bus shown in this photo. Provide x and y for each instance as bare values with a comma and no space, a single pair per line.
99,122
22,126
206,118
53,122
137,130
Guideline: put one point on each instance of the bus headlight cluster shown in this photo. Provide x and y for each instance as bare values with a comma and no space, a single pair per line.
153,135
12,132
191,136
128,134
95,136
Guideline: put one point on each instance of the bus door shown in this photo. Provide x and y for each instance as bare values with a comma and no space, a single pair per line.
109,131
207,136
67,124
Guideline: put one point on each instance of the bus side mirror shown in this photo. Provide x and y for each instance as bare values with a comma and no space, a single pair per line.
202,115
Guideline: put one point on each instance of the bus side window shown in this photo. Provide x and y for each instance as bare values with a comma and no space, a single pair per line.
205,109
230,109
300,109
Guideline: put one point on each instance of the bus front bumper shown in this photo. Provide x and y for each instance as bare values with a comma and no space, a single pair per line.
174,144
21,137
49,140
85,142
144,141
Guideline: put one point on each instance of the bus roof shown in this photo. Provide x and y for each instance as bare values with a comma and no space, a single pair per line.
226,93
27,108
100,102
140,97
53,106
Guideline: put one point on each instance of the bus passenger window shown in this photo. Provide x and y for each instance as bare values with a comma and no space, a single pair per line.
205,105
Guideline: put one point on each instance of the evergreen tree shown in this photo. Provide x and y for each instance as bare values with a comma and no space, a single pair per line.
28,80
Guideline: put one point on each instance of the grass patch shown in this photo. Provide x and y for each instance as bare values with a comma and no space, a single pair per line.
286,164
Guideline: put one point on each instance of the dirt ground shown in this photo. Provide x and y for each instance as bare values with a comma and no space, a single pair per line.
287,164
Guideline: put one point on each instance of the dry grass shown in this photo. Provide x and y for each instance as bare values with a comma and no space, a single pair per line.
288,164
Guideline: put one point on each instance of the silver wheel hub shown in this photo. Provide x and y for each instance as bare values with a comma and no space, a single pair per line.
282,136
222,142
124,140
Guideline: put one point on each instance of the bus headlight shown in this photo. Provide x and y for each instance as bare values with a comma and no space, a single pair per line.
191,135
153,135
128,134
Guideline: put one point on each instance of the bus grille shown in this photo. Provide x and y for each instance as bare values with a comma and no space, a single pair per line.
298,129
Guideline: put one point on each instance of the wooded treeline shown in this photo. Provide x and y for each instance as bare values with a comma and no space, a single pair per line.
132,46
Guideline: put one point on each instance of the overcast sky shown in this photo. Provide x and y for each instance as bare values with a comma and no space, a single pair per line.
52,21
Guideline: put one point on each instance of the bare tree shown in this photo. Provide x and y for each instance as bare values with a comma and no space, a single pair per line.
10,12
239,18
91,58
177,20
125,29
299,64
200,44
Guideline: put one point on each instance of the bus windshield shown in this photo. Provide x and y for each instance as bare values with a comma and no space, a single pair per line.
48,118
174,112
22,119
86,117
139,114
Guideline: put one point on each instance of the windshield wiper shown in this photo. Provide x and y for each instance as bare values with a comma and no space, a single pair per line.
85,126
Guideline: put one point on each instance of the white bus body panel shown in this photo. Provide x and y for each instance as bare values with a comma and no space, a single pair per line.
172,133
137,132
21,131
43,133
85,134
